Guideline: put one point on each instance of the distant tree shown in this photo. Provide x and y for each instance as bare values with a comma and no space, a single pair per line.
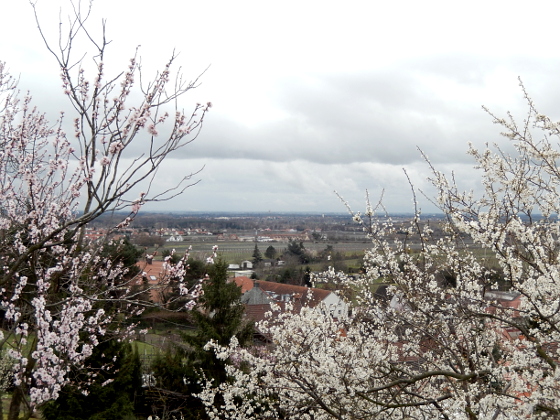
270,252
291,275
333,259
287,275
297,249
327,252
148,240
257,256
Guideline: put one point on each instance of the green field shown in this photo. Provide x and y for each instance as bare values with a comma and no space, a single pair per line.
236,252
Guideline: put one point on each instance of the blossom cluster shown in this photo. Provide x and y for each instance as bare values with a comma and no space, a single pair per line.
469,327
61,295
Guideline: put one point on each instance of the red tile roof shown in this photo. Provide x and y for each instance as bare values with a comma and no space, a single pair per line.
153,272
245,283
300,293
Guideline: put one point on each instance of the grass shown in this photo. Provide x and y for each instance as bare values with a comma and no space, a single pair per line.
6,398
235,252
145,348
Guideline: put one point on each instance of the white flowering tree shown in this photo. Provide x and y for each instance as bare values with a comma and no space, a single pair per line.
445,343
54,286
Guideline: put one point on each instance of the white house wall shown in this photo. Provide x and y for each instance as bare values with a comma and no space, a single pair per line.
334,304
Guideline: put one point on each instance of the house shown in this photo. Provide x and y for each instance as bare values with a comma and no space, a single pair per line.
93,234
246,264
154,272
243,269
259,294
268,262
224,237
245,283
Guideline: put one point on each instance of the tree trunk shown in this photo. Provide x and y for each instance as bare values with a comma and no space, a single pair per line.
15,404
18,396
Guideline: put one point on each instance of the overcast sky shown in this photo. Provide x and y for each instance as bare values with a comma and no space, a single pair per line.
315,96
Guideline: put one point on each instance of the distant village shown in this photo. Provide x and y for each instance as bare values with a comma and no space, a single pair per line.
239,228
192,234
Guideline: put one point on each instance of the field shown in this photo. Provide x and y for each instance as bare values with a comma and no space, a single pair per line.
235,252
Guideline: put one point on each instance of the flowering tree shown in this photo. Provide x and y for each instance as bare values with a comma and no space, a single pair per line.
446,343
53,283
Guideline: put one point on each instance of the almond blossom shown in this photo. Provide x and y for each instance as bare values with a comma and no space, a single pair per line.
469,325
60,297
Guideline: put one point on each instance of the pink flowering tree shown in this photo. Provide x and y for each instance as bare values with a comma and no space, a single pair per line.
469,325
54,284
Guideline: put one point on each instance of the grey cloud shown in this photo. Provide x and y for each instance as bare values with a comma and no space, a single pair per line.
248,185
370,116
377,116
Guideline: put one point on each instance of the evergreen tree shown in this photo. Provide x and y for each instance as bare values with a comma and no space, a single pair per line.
125,252
196,270
257,256
297,249
270,252
179,369
115,393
